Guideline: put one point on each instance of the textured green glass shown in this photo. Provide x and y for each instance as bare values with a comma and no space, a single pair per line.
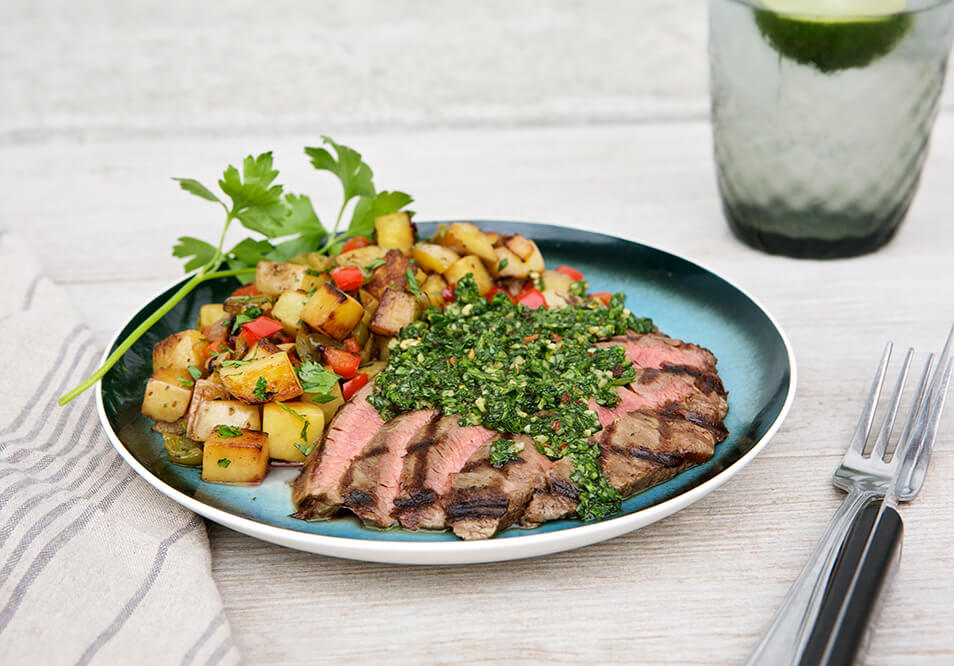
821,129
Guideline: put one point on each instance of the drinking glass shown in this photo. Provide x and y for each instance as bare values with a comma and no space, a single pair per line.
821,120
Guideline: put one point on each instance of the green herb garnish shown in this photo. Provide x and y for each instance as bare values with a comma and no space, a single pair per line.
261,389
244,317
224,462
503,264
503,451
228,432
516,370
412,285
194,372
315,379
234,363
376,263
185,381
287,223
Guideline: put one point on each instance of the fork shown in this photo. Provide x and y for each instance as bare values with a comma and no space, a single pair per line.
867,475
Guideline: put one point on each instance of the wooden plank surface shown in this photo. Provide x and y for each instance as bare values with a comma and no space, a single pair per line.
697,587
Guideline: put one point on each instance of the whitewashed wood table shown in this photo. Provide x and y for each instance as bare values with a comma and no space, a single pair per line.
88,187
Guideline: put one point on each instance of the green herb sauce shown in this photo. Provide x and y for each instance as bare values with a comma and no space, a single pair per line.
520,371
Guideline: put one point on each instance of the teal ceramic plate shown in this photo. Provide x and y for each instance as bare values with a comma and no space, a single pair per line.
684,300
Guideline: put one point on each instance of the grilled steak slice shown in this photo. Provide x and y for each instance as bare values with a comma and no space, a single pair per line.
557,500
654,350
695,395
484,499
628,401
435,453
649,446
373,480
317,490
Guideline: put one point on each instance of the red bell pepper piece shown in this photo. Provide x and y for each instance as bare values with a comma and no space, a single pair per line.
214,348
258,328
572,273
447,293
495,290
352,345
247,290
602,296
355,243
342,363
352,386
347,278
532,298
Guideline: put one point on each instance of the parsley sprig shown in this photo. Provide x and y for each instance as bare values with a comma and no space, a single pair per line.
286,225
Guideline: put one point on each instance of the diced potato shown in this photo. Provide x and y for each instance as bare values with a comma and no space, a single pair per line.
432,287
328,408
362,256
512,265
239,459
525,249
272,278
205,390
394,231
434,258
287,310
210,313
554,281
166,399
332,311
467,238
313,281
392,275
261,349
315,261
554,299
178,352
420,276
396,310
263,380
213,413
473,265
373,369
285,429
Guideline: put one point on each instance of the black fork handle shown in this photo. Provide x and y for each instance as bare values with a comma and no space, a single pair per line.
872,550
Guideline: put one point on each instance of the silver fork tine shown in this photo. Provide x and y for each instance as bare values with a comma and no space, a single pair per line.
863,429
913,473
881,444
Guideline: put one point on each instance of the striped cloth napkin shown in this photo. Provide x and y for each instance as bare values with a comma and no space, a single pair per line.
96,567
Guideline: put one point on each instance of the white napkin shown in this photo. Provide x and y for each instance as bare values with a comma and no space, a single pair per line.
96,567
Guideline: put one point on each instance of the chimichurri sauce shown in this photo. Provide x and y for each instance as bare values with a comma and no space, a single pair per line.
520,371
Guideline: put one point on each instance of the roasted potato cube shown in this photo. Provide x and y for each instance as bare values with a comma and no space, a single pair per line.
315,261
205,390
473,265
313,281
263,380
166,399
178,352
396,310
554,281
392,275
508,265
362,256
287,310
332,311
394,231
434,258
328,407
210,313
235,456
212,413
293,429
467,238
261,349
432,288
272,278
519,245
554,299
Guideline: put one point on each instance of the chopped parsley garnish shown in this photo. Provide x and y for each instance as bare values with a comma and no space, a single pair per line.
300,417
224,462
234,363
185,381
503,264
261,389
227,431
315,379
520,371
244,317
412,285
376,263
503,451
194,372
304,448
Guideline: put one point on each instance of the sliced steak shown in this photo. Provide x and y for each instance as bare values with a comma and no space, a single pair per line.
484,499
649,446
695,395
654,350
373,480
317,490
628,401
557,500
435,453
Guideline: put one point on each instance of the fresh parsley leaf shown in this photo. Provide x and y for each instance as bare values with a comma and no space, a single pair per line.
228,432
503,264
183,381
351,170
302,216
322,399
503,451
193,186
305,448
256,202
304,421
247,315
261,389
234,363
376,263
224,462
315,379
198,252
250,251
194,372
412,285
373,206
300,244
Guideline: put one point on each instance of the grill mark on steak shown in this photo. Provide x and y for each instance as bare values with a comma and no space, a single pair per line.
663,459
